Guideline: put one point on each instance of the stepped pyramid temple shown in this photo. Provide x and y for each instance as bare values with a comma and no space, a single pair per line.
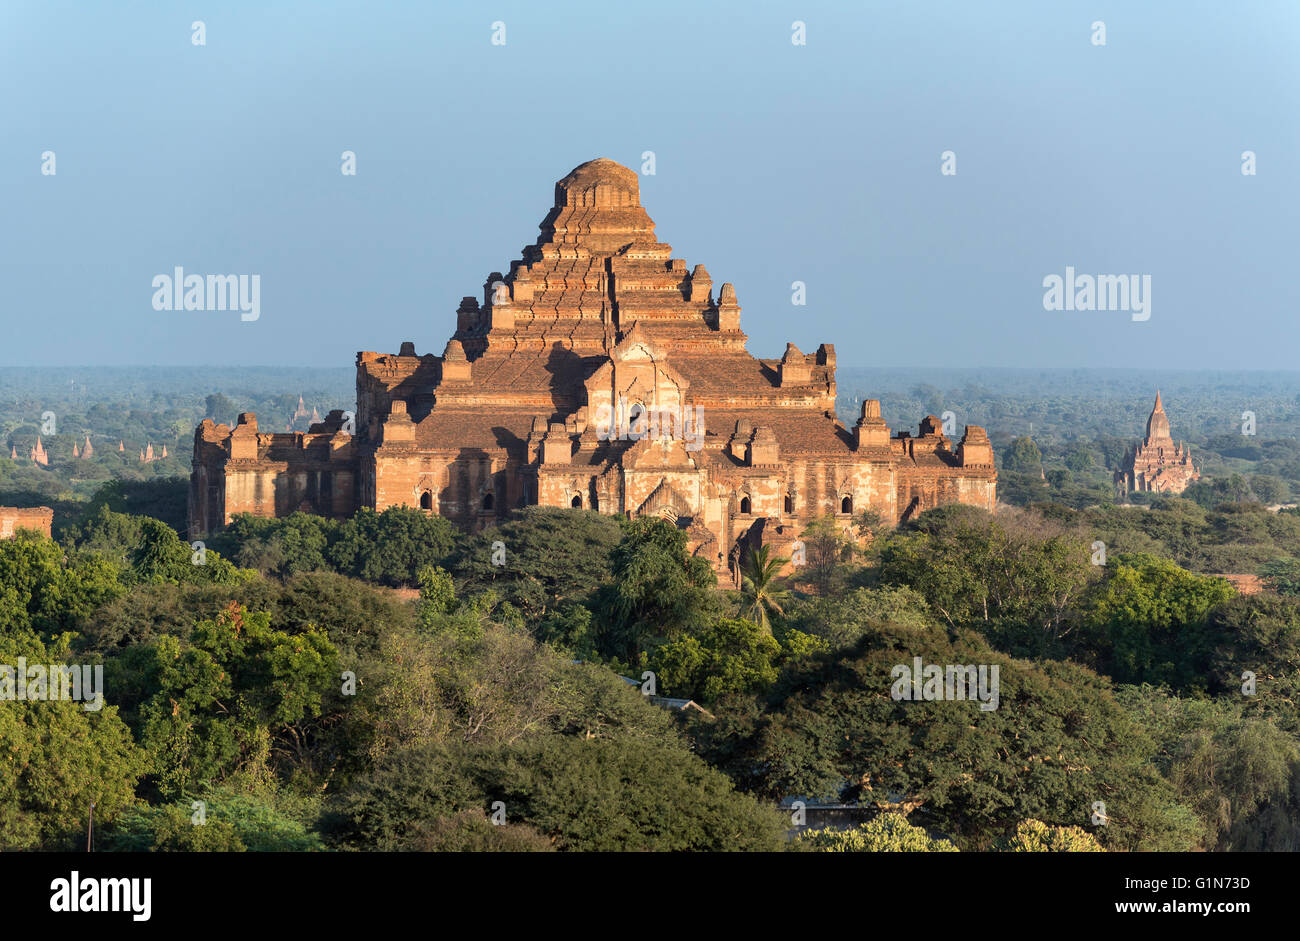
1157,465
599,372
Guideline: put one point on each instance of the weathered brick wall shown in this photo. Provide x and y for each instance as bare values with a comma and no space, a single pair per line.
12,519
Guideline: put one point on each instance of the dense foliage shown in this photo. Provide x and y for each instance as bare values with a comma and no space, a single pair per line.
388,682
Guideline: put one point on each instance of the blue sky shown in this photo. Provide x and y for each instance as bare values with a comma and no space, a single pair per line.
774,163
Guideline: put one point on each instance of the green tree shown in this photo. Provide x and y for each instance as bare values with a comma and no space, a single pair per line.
470,831
169,828
1078,458
232,698
826,549
1016,579
1282,575
598,795
1269,488
1057,741
841,620
1239,773
1146,612
391,547
729,656
299,542
1034,836
884,833
57,757
437,596
552,556
219,408
1023,456
761,596
657,591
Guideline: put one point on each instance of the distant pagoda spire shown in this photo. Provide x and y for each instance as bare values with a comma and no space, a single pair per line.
1158,425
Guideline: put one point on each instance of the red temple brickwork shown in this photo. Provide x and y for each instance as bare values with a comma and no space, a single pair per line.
1157,465
14,518
599,372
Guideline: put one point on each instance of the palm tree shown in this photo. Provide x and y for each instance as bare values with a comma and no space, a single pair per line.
758,587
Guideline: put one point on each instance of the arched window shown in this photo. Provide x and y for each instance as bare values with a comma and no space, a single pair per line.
744,505
789,503
488,501
846,505
426,500
576,502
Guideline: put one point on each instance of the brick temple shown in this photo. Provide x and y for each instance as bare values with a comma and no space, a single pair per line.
1157,465
599,372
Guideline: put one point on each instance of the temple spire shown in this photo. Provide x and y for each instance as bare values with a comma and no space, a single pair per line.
1158,425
